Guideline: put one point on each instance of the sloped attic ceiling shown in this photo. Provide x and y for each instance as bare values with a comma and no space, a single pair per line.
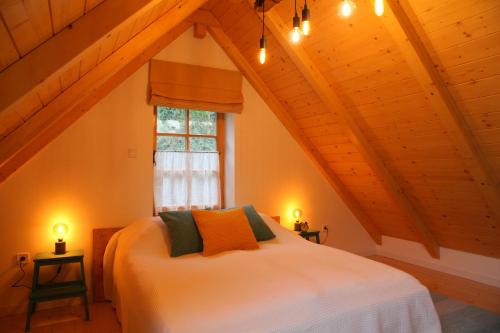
400,113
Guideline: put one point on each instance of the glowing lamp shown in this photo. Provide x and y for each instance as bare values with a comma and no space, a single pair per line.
60,230
346,8
379,7
306,25
262,53
296,34
297,214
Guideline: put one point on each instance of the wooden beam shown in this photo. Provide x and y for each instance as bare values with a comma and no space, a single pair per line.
269,4
200,30
324,90
401,24
202,16
65,109
281,113
60,52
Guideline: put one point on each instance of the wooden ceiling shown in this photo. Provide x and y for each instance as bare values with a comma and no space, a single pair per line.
401,113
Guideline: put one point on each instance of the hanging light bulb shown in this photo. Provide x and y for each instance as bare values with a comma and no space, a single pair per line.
379,7
262,53
346,8
306,27
263,41
295,34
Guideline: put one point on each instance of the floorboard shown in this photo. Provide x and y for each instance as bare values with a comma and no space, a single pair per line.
66,320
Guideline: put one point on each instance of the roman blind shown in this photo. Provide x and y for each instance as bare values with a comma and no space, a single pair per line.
195,87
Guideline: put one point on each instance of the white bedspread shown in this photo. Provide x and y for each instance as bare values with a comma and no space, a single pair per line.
288,285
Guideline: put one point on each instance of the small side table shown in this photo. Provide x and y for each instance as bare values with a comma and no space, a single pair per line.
57,290
310,233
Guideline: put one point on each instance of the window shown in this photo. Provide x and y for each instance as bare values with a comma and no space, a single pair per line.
188,155
186,130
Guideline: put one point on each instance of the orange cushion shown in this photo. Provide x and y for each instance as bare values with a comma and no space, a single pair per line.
224,230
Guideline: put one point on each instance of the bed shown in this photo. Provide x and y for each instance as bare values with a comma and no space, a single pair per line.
287,285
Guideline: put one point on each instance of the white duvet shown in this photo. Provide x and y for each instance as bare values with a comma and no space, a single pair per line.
288,285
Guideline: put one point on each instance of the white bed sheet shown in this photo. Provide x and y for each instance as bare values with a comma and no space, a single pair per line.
288,285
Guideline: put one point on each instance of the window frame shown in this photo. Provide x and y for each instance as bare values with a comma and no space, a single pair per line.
220,137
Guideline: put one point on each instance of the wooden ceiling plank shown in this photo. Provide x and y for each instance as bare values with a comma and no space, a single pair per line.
8,52
281,113
323,88
65,12
402,24
66,47
9,121
49,122
90,4
28,22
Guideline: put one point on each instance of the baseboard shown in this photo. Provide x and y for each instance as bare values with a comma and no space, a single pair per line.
435,265
466,290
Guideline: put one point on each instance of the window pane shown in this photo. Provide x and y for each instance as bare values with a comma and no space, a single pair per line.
170,143
202,122
170,120
202,144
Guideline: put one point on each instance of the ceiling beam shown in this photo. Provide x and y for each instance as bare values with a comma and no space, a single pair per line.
405,29
269,4
323,88
60,52
281,113
24,142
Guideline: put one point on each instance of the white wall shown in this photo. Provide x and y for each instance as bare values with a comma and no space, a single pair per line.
471,266
86,176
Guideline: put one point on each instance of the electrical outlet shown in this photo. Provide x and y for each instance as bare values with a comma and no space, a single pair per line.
324,227
23,258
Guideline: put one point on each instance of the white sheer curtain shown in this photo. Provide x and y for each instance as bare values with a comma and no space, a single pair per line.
186,180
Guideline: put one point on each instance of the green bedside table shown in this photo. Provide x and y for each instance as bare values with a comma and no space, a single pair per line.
58,290
310,233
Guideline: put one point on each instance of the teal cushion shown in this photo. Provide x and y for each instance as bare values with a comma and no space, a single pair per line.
259,227
184,235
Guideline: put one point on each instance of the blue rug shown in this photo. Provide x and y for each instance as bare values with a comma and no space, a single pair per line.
460,317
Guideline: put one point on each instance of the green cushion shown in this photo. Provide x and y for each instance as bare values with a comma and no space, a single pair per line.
184,235
259,227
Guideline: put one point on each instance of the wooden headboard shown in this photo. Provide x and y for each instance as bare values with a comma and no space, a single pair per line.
100,239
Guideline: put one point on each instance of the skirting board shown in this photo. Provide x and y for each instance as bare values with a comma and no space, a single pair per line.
440,265
472,292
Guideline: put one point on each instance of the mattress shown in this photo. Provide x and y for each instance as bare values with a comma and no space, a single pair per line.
287,285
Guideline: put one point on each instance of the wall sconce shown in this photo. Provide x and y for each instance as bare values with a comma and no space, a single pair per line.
297,214
60,230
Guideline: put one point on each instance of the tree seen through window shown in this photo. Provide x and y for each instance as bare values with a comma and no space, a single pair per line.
185,130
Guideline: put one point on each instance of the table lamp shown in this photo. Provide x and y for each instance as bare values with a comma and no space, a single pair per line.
297,213
60,230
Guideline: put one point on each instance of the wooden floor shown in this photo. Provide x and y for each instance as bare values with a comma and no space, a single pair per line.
468,291
69,320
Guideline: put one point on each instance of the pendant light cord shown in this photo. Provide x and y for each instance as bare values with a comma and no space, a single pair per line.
263,16
296,8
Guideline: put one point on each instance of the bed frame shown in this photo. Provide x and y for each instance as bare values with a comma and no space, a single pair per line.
100,239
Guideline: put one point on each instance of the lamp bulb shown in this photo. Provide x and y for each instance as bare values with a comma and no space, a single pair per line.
60,230
346,8
379,7
306,28
297,213
262,55
295,35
